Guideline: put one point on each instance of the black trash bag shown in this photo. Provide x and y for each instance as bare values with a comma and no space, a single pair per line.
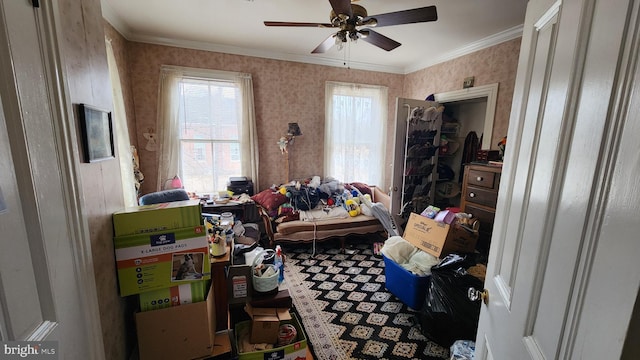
448,314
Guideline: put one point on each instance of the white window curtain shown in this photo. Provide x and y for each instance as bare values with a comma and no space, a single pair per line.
354,145
168,126
125,156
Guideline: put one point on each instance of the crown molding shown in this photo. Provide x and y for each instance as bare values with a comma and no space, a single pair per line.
317,60
112,18
509,34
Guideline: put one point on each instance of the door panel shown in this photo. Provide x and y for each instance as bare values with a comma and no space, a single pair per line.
555,183
16,267
47,284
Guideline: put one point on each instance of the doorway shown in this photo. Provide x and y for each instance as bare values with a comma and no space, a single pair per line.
466,110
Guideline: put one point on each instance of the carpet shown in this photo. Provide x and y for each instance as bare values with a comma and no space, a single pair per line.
346,310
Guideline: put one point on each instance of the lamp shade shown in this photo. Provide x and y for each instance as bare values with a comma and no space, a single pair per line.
294,129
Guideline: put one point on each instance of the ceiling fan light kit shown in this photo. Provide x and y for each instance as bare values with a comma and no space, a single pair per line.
349,18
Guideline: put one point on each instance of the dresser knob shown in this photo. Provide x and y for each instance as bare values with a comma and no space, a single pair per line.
479,178
472,195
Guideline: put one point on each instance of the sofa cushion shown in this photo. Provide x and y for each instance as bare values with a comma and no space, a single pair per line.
291,227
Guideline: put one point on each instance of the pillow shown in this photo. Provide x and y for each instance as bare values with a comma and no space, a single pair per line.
269,199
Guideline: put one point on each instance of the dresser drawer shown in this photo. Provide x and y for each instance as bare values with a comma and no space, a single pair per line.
484,216
481,196
486,179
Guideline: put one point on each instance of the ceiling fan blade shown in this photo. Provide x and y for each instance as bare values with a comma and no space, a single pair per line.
424,14
297,24
342,7
325,45
380,40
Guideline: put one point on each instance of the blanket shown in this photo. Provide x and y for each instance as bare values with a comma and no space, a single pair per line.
323,213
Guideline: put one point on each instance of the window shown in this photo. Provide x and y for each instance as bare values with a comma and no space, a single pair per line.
355,118
209,125
208,128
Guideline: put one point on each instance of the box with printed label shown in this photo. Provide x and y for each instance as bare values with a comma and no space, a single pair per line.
173,296
160,260
295,350
438,239
157,217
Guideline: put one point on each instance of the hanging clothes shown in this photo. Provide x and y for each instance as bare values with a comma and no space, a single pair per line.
471,147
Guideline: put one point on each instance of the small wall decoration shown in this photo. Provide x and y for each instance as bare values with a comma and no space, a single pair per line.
97,133
468,82
151,140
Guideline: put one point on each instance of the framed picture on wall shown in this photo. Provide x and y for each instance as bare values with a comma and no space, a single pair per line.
97,133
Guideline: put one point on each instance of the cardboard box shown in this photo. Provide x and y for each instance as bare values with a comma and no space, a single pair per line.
174,296
179,332
438,239
160,260
265,323
294,351
157,217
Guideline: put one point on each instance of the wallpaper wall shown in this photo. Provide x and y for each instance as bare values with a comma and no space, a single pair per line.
497,64
289,91
284,92
87,75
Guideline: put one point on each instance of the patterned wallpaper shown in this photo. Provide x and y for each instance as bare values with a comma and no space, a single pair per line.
284,92
294,92
497,64
87,74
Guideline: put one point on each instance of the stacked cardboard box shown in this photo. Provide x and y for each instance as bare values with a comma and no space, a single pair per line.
160,246
162,256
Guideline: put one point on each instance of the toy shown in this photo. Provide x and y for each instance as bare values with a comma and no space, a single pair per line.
352,207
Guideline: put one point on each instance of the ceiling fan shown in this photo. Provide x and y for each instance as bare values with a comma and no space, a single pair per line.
354,23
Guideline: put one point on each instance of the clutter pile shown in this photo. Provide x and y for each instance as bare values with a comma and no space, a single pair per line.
431,267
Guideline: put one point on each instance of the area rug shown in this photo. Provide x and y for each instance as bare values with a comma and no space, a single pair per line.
346,311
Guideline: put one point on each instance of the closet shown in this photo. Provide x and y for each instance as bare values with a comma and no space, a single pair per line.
419,180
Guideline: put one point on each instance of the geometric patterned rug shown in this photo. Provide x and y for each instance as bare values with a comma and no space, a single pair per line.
347,312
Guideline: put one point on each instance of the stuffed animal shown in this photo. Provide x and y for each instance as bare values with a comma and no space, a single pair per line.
352,207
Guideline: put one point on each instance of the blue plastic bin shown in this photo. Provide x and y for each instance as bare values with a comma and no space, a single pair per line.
410,288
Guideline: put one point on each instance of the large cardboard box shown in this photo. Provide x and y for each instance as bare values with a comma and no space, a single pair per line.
265,323
178,333
157,217
160,260
174,296
294,351
438,239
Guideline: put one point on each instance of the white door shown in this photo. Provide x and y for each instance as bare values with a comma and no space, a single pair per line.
47,285
563,273
399,200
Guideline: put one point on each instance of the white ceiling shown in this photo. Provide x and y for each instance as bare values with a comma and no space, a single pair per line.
236,26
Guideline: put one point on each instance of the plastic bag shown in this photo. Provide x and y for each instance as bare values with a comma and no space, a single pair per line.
305,198
463,350
448,314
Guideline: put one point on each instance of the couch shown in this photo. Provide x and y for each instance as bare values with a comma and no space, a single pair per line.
306,231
